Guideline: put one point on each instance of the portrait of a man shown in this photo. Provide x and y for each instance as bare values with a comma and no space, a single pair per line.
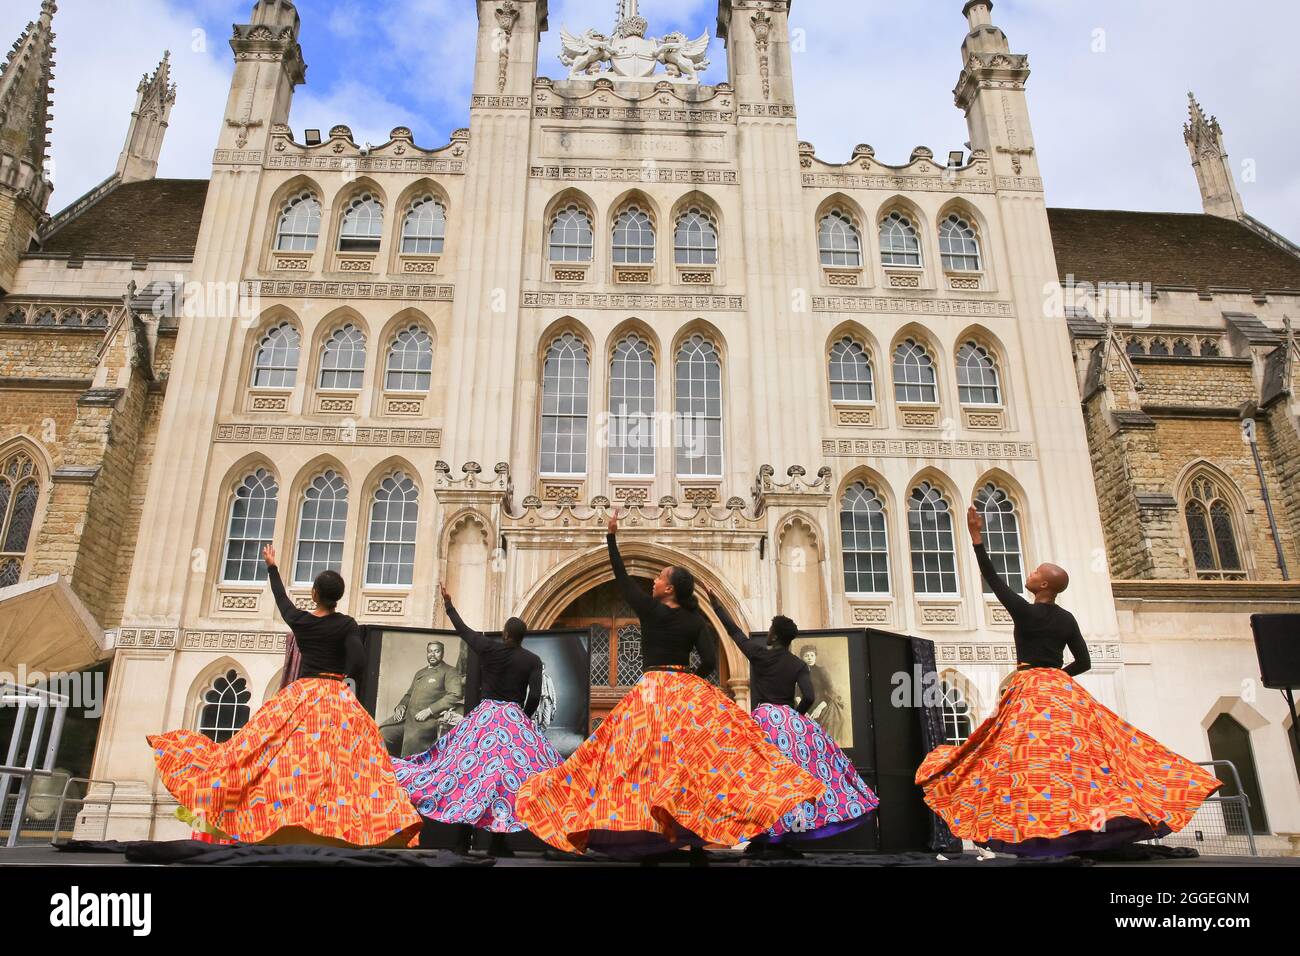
432,705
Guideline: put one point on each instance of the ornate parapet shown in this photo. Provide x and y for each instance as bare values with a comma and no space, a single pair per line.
797,491
341,152
474,488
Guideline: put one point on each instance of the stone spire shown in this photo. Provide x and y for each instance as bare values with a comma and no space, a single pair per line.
1204,138
991,92
25,110
144,138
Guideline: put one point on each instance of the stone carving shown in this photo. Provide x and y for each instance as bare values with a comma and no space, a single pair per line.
631,54
762,22
507,17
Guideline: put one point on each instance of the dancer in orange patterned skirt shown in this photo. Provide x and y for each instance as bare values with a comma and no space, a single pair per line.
1054,772
311,766
677,763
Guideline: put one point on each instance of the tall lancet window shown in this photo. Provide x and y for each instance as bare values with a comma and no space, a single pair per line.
299,224
1212,531
696,239
343,364
424,231
930,536
838,241
1001,536
864,541
632,431
914,377
850,371
276,365
363,225
698,378
959,245
977,376
634,238
225,709
251,527
571,238
20,492
899,243
322,524
394,518
566,381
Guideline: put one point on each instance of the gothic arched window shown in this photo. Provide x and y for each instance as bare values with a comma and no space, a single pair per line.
20,493
977,376
698,379
343,363
322,524
914,377
1001,536
363,225
410,361
850,373
864,541
299,224
571,238
394,518
959,245
1211,529
251,527
424,231
276,364
696,240
899,243
957,723
838,241
632,431
566,379
929,525
634,238
97,319
225,707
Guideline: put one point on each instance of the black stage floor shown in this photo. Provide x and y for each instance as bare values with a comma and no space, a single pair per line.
47,856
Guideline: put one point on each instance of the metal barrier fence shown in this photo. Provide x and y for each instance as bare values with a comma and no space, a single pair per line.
1221,825
47,711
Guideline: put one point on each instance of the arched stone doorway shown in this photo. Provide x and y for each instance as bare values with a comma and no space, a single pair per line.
582,594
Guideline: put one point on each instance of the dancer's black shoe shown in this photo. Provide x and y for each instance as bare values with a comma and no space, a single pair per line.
498,847
464,837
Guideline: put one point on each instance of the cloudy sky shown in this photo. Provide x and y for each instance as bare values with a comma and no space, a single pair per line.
1108,95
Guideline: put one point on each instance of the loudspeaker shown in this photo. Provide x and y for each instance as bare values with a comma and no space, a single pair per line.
1277,642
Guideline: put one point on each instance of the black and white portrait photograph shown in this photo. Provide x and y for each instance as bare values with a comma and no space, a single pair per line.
828,663
420,695
566,687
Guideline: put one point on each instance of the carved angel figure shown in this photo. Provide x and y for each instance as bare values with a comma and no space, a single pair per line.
584,54
682,57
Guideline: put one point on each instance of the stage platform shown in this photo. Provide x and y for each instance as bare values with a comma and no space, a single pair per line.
47,856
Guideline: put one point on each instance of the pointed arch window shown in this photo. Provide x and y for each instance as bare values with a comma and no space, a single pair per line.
394,518
632,430
930,536
322,524
363,225
572,238
900,245
839,242
97,319
424,231
276,364
410,361
343,363
850,372
915,381
566,381
959,245
299,225
977,376
634,238
20,493
225,707
696,240
1211,529
957,723
251,527
864,541
698,378
1001,536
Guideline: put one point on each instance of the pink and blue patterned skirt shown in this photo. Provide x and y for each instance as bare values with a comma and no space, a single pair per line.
472,774
848,802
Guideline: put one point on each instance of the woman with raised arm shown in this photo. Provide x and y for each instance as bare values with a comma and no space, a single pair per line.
471,776
776,679
676,763
1053,771
310,766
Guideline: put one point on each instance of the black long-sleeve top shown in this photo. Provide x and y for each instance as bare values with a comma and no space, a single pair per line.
667,633
1042,631
327,645
508,671
774,672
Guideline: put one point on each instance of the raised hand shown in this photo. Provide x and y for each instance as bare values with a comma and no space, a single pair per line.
613,522
446,595
976,525
268,555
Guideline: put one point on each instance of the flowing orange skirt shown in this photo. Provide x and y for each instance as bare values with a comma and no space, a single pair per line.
310,767
675,763
1053,772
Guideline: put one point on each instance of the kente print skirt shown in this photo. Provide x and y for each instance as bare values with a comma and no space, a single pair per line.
309,767
676,763
1054,772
